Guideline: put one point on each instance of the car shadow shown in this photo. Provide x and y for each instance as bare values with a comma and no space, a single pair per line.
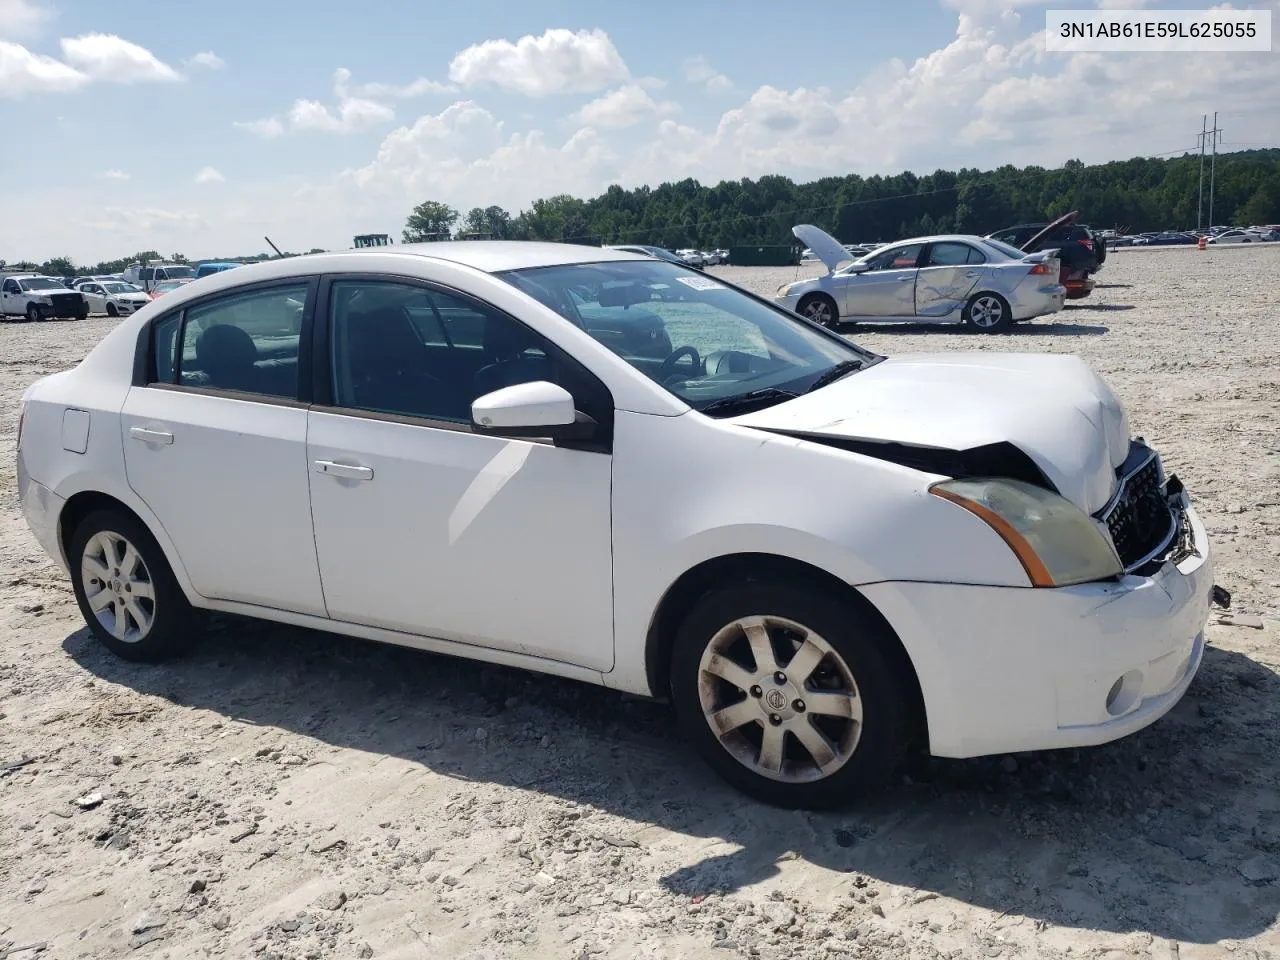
1027,328
1105,839
1098,306
1113,286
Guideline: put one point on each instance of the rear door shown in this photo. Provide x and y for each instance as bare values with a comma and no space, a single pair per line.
949,271
215,442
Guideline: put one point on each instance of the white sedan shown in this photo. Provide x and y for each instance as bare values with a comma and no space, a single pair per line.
620,470
115,298
1238,236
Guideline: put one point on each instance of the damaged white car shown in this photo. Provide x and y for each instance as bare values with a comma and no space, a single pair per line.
986,285
609,467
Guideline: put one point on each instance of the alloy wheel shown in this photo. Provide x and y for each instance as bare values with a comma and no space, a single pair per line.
986,312
780,699
118,586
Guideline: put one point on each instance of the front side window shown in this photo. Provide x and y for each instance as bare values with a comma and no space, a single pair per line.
412,351
11,286
895,258
245,342
700,339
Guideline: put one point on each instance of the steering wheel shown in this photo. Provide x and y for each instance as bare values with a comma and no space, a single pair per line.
668,368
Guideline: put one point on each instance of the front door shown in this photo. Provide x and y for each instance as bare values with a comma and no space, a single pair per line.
887,289
215,445
426,528
947,276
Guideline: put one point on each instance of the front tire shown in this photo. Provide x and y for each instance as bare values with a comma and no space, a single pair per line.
790,693
112,312
126,589
33,313
988,313
821,309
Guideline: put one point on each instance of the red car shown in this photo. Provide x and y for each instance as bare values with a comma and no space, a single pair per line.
166,286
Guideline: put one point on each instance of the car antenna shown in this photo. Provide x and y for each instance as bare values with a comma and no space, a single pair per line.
273,247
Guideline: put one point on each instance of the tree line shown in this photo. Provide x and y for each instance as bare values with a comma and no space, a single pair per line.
1135,195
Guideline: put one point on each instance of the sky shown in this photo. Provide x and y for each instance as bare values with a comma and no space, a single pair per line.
202,128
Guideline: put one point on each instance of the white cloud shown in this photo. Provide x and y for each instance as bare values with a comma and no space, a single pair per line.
699,70
623,107
23,72
268,128
107,57
208,59
22,18
558,61
209,175
113,175
386,91
353,113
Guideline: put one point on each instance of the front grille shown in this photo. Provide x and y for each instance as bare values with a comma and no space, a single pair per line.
1139,518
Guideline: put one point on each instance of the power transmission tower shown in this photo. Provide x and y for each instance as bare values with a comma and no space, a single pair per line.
1216,135
1204,135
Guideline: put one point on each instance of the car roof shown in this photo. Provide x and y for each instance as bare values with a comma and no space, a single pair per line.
940,238
494,256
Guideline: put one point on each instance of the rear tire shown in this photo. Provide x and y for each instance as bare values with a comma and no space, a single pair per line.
988,313
126,590
821,309
835,729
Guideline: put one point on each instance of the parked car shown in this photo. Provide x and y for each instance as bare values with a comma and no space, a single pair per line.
1172,238
475,475
1238,236
147,275
692,257
943,279
166,286
210,267
1081,254
113,297
75,283
36,297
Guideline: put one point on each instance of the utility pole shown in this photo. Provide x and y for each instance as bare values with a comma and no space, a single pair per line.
1204,135
1215,133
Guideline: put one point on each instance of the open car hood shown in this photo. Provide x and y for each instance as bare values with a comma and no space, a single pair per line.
824,246
1045,418
1062,221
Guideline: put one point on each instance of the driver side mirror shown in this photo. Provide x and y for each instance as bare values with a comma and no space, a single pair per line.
857,268
533,410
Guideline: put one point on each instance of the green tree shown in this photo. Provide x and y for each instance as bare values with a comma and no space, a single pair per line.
1263,207
429,221
58,267
491,220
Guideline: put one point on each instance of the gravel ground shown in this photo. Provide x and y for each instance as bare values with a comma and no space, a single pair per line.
288,794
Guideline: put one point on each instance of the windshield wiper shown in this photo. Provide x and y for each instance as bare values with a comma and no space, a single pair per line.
838,372
743,402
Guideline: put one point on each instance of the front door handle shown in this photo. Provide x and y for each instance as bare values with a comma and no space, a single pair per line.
150,436
972,274
905,279
347,471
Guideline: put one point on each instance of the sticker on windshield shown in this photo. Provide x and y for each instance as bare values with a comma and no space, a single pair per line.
701,283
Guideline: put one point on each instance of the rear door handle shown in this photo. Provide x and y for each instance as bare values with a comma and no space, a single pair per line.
150,436
905,279
346,471
972,274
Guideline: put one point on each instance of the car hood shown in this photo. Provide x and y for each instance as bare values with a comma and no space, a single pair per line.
1052,408
823,245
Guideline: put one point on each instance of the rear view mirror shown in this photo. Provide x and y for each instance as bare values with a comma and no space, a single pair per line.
538,409
624,295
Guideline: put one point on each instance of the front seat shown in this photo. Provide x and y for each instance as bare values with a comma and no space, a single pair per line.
227,356
386,365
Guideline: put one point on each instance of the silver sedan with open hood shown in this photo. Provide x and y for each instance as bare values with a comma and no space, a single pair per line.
982,283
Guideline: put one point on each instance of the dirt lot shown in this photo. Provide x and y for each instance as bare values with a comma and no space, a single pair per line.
282,793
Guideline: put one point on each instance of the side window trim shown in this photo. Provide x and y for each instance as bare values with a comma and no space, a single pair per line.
601,403
144,371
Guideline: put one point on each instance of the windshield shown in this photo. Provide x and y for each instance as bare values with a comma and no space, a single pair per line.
43,283
699,338
118,287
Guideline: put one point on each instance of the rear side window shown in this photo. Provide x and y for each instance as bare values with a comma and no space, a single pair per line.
246,343
953,255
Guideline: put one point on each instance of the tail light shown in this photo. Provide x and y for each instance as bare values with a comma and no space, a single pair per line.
1040,269
1087,244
